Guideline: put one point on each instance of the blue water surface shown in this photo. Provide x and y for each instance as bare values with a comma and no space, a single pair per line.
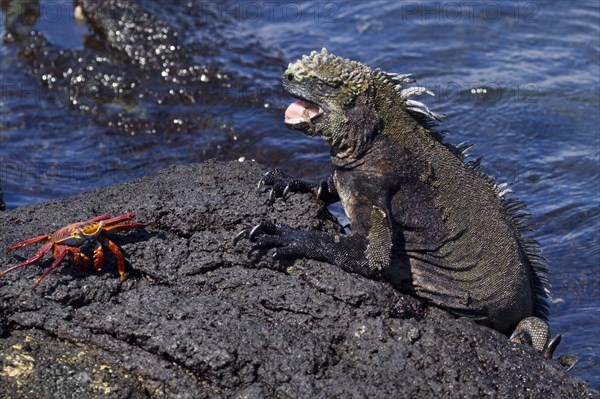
521,80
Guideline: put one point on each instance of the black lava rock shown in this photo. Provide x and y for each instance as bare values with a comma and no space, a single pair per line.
198,317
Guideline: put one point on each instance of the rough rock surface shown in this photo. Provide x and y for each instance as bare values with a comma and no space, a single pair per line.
197,317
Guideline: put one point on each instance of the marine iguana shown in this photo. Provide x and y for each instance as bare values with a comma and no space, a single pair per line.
422,217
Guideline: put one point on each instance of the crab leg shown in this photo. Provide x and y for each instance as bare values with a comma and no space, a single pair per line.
112,247
60,253
77,256
40,253
127,225
121,218
28,242
98,257
98,218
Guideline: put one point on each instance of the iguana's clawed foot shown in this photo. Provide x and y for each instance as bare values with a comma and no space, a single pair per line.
281,185
288,242
263,227
535,332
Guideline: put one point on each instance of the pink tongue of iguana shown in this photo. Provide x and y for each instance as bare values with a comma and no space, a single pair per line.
299,111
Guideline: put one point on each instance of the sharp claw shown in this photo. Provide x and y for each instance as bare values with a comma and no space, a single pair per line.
261,185
551,346
239,236
286,191
319,192
271,197
520,337
255,230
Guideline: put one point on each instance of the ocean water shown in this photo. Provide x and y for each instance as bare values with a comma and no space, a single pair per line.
520,80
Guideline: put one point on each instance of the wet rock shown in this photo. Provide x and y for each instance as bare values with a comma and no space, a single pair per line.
197,317
134,72
128,28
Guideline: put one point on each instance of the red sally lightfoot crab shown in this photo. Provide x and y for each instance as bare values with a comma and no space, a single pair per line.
76,239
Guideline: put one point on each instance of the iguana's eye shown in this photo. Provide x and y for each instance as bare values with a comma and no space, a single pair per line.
322,86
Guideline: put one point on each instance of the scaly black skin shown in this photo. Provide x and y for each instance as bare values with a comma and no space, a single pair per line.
421,217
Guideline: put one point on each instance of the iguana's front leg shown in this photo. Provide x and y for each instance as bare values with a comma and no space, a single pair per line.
281,184
368,256
347,252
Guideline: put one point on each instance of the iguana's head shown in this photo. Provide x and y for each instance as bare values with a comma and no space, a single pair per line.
334,97
338,100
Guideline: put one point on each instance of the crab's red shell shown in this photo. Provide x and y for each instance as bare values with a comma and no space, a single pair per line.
73,238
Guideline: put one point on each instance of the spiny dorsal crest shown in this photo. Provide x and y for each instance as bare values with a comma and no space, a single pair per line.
355,77
415,107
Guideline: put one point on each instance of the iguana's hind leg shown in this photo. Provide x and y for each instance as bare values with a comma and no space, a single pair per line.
535,332
282,184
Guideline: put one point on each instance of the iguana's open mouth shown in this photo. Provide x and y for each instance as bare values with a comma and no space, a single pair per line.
300,112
